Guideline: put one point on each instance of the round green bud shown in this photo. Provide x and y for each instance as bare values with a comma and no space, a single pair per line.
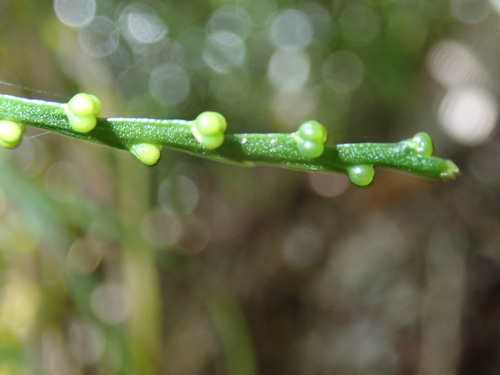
82,124
147,153
84,104
208,129
313,131
212,141
11,133
310,138
422,142
210,123
310,149
96,104
82,110
361,175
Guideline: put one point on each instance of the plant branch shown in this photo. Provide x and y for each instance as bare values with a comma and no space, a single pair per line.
277,149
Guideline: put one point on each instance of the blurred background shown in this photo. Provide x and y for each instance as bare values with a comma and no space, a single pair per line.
193,267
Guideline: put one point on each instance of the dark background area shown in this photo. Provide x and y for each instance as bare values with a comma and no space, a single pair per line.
193,267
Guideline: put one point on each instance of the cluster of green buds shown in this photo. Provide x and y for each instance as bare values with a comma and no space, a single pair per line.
362,175
82,111
208,129
310,138
304,149
11,133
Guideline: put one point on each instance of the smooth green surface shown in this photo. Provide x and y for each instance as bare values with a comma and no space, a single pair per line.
146,153
11,133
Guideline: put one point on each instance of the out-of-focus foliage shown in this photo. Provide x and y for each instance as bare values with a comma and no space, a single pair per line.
191,267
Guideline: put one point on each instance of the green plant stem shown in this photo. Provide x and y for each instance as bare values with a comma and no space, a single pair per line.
276,149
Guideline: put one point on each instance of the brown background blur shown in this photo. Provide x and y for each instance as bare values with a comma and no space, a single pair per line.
193,267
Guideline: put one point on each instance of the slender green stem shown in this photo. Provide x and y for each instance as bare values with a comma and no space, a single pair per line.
277,149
